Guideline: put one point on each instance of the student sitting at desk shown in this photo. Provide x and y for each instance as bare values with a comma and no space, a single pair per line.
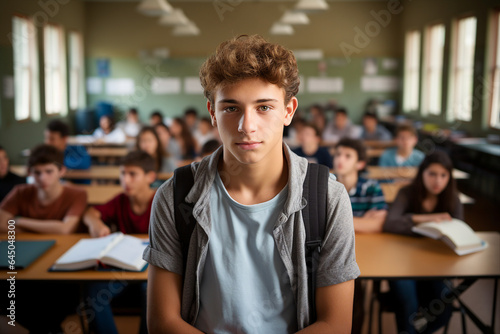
46,206
107,133
367,200
75,156
372,130
149,142
405,154
432,196
309,139
183,142
129,213
155,118
340,127
8,180
131,125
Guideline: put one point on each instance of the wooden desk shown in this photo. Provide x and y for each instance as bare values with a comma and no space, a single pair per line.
382,144
100,194
93,173
384,255
391,173
107,152
38,270
370,152
391,190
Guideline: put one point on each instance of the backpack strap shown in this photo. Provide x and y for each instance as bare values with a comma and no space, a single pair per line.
314,216
184,220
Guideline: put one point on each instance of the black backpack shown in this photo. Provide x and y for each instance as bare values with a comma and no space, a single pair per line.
314,216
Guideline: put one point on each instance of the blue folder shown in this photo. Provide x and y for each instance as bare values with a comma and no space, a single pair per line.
25,252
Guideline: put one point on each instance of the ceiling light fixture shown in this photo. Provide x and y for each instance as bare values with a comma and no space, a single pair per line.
281,29
311,6
189,29
290,17
154,7
175,17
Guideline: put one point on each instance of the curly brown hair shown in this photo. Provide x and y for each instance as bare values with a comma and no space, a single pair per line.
245,57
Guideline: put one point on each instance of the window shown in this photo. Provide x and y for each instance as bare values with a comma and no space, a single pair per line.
433,69
462,80
55,70
494,120
26,76
76,71
411,71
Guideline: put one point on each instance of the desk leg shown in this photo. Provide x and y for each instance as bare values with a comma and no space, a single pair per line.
456,292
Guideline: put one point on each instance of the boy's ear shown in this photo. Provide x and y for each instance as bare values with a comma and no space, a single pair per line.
211,110
62,171
290,109
360,165
151,176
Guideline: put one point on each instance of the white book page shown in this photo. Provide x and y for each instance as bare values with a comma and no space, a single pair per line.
458,232
127,253
86,249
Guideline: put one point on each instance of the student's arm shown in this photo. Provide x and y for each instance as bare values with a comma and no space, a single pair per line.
399,220
49,226
164,303
371,222
92,219
5,216
334,309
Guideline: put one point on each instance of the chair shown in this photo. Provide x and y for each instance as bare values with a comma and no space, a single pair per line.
387,305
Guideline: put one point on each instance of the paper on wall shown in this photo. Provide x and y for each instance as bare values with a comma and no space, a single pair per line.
121,86
192,85
325,85
165,85
94,85
380,84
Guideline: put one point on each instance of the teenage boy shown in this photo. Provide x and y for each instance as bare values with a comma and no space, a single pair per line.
75,156
191,119
405,154
309,139
47,206
128,212
155,118
372,130
8,180
246,268
340,127
131,125
367,200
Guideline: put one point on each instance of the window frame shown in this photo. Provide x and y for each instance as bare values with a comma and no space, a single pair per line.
412,70
429,70
79,90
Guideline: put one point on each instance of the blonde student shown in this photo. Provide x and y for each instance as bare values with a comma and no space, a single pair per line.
246,268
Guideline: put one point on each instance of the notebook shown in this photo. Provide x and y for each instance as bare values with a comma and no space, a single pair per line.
26,251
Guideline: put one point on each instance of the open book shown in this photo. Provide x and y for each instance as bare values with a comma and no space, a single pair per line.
116,250
455,233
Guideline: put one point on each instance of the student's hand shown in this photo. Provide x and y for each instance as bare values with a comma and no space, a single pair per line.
99,230
432,217
442,216
374,213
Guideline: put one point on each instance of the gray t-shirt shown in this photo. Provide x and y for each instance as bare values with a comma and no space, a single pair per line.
244,287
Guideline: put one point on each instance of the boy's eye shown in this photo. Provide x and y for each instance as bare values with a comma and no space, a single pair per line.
264,108
230,109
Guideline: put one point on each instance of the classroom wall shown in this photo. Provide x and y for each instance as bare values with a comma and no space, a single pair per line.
423,12
16,136
110,35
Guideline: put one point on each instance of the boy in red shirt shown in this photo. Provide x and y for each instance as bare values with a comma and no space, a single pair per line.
129,213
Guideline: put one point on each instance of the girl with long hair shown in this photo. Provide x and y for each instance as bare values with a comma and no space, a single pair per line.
432,196
148,141
182,136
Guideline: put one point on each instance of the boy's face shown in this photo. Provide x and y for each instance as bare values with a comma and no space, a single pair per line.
340,120
346,161
308,136
406,140
369,123
134,180
55,139
250,116
47,176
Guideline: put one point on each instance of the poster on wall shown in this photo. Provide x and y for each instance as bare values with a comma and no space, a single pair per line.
380,84
325,85
103,67
94,85
165,85
120,86
192,85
